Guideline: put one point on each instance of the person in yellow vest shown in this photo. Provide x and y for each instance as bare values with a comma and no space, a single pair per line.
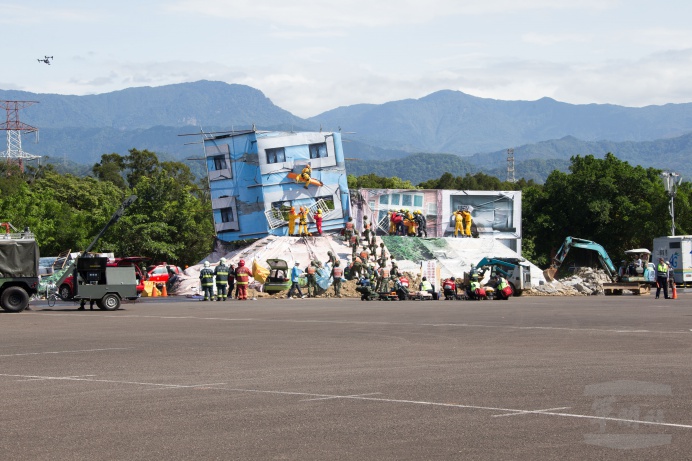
502,289
303,222
426,286
466,216
292,217
458,223
337,273
662,278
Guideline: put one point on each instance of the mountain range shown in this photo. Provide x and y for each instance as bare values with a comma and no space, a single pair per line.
415,139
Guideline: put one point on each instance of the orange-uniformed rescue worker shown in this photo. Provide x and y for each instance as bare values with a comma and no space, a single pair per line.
242,279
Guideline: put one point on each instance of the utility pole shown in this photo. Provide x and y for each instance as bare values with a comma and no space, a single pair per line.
671,181
510,166
14,129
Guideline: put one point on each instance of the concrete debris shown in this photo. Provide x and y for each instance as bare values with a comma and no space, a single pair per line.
586,281
454,256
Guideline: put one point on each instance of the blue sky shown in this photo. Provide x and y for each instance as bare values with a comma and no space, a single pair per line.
312,56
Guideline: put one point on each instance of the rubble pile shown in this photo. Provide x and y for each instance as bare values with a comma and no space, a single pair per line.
586,281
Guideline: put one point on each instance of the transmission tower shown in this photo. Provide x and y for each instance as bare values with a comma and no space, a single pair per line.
510,166
14,130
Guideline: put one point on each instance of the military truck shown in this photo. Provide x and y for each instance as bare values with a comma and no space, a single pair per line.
19,277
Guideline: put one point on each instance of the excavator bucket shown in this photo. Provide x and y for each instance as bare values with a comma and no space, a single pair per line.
549,273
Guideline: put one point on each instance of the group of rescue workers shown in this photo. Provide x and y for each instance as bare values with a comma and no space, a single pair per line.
302,218
404,222
225,277
462,222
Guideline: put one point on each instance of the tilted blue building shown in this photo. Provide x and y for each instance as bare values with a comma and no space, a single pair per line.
251,177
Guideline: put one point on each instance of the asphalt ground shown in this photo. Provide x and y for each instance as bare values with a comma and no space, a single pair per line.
532,378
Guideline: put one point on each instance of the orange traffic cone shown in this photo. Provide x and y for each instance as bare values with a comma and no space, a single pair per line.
154,291
675,292
164,291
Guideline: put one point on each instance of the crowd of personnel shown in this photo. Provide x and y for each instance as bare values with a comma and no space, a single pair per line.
225,277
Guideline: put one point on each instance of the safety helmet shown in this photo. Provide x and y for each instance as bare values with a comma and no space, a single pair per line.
330,253
319,211
223,261
241,263
297,263
206,263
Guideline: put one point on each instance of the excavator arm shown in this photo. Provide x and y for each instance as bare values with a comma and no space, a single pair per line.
574,242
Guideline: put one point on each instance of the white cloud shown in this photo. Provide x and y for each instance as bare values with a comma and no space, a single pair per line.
328,14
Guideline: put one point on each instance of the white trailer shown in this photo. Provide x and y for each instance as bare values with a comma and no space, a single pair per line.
677,250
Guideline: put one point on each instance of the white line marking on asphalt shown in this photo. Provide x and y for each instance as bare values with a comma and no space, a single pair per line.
111,381
346,322
529,412
44,379
355,395
67,352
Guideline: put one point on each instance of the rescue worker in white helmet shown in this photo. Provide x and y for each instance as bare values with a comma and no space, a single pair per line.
206,277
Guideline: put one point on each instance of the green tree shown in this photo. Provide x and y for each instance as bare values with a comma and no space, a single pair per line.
111,169
605,200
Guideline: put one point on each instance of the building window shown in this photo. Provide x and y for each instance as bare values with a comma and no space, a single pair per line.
277,155
226,215
371,204
418,201
219,162
395,199
406,200
318,150
384,199
432,208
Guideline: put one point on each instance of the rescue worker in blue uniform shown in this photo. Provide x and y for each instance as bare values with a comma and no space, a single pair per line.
206,277
221,274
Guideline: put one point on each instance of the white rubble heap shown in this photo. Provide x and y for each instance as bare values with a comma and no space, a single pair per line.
456,259
585,281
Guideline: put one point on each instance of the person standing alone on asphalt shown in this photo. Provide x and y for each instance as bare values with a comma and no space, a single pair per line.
295,281
662,278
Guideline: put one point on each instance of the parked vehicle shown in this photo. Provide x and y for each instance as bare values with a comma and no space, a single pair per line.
160,273
677,250
66,289
278,279
19,256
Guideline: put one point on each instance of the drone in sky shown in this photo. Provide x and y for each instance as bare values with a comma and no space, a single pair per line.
46,59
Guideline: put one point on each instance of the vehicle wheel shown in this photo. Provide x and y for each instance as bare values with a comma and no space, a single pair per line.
110,302
65,292
14,299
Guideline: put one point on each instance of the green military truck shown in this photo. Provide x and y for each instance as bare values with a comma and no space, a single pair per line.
19,277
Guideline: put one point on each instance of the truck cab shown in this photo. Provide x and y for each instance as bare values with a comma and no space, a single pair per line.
19,278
